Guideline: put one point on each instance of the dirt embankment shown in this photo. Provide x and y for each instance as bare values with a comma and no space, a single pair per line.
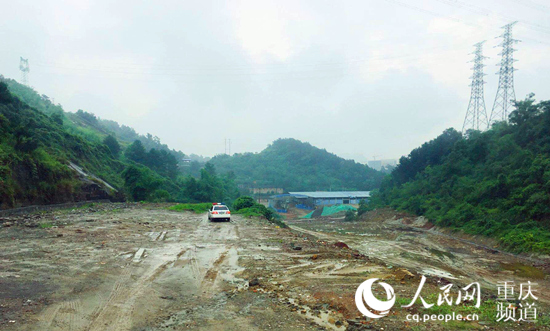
133,267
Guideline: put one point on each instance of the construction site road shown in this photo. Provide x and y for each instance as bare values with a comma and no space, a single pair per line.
143,267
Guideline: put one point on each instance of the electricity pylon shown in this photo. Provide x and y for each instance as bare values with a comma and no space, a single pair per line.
506,96
476,115
24,67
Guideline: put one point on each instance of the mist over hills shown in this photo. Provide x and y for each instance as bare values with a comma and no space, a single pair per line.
49,155
294,165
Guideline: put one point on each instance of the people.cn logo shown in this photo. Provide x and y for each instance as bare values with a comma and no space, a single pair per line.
364,295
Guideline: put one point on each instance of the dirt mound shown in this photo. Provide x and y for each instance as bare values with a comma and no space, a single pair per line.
383,214
340,244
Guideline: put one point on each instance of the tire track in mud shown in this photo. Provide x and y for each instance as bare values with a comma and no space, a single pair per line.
46,320
116,312
109,307
66,315
199,253
210,276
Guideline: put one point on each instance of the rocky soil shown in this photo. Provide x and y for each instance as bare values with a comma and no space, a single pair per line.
142,267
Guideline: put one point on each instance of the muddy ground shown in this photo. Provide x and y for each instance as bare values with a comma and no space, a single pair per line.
142,267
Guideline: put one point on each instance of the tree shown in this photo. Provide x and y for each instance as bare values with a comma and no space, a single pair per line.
243,202
136,152
140,182
5,95
162,162
363,208
296,166
493,183
57,117
350,216
88,117
111,142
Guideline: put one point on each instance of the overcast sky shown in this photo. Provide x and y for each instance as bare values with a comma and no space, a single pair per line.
359,78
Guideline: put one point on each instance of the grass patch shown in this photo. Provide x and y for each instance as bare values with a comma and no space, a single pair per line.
87,205
195,207
45,225
523,270
250,212
262,211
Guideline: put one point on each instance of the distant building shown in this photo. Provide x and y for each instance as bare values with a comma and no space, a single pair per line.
261,194
320,198
266,190
375,164
378,164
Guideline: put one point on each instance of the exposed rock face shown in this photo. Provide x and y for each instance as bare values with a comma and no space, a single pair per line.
93,187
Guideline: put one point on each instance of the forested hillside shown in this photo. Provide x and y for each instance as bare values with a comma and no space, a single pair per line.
87,124
34,154
295,165
495,183
40,141
43,149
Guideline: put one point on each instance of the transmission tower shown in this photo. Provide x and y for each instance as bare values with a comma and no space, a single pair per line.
24,67
227,146
476,115
505,94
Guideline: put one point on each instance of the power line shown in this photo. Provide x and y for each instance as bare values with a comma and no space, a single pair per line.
487,12
429,12
194,70
342,71
532,4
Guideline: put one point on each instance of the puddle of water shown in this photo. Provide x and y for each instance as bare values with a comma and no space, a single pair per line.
233,268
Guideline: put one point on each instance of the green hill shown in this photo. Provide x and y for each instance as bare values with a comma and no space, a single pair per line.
295,165
494,183
85,123
51,156
35,152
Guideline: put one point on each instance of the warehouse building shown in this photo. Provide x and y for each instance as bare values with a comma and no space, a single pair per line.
330,198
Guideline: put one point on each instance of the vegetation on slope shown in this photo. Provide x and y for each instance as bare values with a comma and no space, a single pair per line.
35,151
195,207
495,183
38,143
84,123
295,165
248,207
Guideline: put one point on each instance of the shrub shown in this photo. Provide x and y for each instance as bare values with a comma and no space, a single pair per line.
161,196
113,145
246,206
350,216
195,207
243,202
363,208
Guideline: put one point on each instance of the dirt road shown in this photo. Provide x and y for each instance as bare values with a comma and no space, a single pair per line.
134,267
